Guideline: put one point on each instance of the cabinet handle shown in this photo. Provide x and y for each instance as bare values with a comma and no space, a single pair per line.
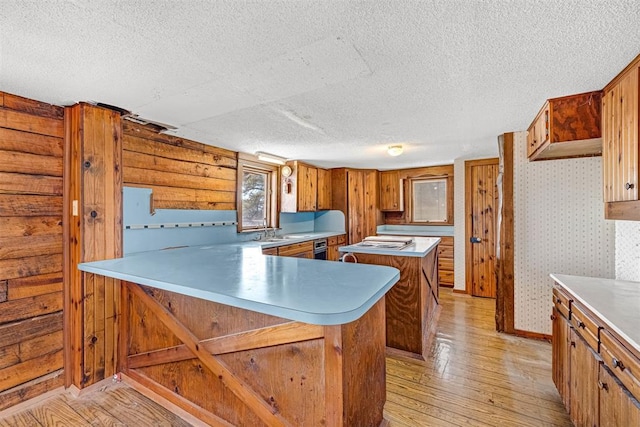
603,386
558,300
629,186
581,325
553,317
573,343
618,364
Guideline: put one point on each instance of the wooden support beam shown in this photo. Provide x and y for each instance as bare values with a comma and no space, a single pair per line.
285,333
268,413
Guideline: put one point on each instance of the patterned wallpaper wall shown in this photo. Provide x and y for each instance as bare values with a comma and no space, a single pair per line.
628,250
559,228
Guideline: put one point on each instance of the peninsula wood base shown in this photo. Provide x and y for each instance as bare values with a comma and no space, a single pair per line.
229,366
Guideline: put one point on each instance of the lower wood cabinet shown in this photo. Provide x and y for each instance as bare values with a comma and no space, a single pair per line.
598,378
583,375
617,406
333,243
445,261
299,250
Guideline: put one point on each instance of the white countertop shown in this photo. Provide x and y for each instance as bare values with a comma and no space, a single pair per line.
421,247
616,302
416,230
311,291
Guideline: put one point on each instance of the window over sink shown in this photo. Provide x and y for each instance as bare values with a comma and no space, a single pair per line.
256,200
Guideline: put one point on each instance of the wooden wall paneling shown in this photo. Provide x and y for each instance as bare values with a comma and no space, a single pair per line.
505,314
31,302
95,184
183,174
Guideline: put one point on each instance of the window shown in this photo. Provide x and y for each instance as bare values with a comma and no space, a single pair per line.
429,200
257,200
255,191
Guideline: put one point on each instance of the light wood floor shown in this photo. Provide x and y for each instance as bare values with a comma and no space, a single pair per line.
475,377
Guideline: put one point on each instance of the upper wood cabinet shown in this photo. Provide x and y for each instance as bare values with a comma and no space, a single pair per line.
324,190
620,145
567,127
299,190
391,191
355,193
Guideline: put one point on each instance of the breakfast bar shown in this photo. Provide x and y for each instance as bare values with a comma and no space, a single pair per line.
235,337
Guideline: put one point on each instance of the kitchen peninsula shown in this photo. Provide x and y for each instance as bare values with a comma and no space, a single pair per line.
238,338
411,306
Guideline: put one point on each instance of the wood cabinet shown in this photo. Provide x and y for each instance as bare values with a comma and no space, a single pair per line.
617,406
324,190
307,189
583,379
445,261
391,191
569,126
298,250
355,193
333,243
596,374
620,144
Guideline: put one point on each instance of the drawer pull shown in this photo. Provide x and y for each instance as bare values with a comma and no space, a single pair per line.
581,325
552,317
573,343
558,301
618,364
603,386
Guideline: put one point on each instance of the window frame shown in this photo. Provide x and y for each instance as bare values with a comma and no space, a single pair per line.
448,195
247,162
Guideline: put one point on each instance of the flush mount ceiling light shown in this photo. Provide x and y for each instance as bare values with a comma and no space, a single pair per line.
270,158
394,150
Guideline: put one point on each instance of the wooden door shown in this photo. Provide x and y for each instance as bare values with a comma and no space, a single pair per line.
481,202
307,191
356,214
583,376
324,190
617,406
390,191
560,355
370,203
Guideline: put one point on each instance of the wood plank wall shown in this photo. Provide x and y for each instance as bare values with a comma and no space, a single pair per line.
31,242
183,174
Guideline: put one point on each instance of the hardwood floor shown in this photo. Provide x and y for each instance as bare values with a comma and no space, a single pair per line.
475,377
112,405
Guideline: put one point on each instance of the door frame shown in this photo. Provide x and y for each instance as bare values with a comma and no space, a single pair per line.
468,228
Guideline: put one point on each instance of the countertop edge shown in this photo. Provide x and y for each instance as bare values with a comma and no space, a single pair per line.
558,278
392,252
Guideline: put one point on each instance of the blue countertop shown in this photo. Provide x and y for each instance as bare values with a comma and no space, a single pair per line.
311,291
421,246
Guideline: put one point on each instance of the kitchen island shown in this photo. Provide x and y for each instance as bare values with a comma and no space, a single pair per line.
411,306
238,338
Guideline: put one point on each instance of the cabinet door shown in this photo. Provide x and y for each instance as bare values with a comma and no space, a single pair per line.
620,143
583,367
391,194
560,355
617,406
307,188
370,206
324,190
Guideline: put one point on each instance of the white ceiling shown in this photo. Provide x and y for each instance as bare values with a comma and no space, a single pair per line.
326,81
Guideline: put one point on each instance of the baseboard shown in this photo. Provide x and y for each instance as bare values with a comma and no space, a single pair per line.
532,335
34,401
459,291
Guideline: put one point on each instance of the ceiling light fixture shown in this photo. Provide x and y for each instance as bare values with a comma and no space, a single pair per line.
394,150
270,158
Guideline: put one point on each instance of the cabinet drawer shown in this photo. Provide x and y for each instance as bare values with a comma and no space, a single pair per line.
342,239
332,241
585,326
445,251
624,365
445,264
445,277
296,249
562,302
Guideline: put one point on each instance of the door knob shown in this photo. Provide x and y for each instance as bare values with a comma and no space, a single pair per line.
629,186
475,240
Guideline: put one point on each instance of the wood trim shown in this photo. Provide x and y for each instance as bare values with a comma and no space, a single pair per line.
628,211
468,265
632,64
532,335
505,317
66,251
334,375
459,291
238,387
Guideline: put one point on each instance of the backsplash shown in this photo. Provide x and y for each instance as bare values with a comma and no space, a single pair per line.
628,250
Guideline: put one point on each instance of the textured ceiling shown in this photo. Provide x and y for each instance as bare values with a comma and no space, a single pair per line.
330,82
